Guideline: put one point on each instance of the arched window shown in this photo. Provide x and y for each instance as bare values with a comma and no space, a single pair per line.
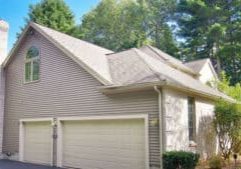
32,65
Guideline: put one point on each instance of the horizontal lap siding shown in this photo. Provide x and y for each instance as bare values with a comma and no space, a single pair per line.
65,89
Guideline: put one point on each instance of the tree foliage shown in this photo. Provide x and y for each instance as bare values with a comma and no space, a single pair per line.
159,16
227,123
211,29
124,24
224,85
53,14
116,25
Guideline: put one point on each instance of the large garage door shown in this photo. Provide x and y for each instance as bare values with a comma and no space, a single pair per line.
104,144
37,142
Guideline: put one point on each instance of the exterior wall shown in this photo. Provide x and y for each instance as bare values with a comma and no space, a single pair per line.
206,74
2,93
175,120
206,138
176,123
3,53
65,89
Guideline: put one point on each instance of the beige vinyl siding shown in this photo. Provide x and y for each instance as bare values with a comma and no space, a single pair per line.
66,89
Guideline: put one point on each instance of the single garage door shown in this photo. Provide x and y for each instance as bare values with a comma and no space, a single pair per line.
104,144
37,142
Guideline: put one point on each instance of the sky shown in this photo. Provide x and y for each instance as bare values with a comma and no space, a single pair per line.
14,12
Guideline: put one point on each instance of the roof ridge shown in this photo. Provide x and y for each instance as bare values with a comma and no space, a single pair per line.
138,52
198,60
152,48
109,54
157,74
171,60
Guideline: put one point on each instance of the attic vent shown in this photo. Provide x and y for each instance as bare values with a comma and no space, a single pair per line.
31,31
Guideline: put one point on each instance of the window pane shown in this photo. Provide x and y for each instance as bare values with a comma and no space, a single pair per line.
35,70
32,52
27,71
191,119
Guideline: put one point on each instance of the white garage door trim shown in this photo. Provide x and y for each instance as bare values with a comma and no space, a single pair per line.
142,116
21,135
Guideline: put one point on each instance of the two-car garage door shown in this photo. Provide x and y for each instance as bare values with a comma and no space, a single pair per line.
105,144
91,144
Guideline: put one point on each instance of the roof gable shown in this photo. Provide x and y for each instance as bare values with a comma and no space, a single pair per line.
198,65
91,57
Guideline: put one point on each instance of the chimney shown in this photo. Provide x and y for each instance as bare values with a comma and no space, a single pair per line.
3,53
3,39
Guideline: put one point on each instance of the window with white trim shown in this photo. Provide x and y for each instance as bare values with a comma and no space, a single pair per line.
191,119
31,69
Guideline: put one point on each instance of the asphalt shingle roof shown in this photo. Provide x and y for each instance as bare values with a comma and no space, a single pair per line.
133,66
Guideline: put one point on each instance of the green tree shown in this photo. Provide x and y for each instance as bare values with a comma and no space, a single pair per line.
124,24
227,124
211,29
227,121
224,85
116,25
194,18
54,14
159,17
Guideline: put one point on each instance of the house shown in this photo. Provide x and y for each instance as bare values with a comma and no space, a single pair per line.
70,103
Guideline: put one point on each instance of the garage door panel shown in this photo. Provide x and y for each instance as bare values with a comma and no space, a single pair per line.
37,142
104,144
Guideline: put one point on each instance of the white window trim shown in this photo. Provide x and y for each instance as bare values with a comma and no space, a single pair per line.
192,141
21,135
31,60
122,117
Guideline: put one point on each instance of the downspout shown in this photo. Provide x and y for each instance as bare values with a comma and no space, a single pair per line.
161,124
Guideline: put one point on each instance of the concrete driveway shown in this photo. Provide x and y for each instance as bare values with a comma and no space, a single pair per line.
7,164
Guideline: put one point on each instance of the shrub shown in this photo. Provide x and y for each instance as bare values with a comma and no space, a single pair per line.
180,160
227,124
215,162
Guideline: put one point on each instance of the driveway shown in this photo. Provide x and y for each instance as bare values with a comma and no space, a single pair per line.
7,164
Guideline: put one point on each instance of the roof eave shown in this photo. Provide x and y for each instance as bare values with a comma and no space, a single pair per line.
114,89
148,86
199,93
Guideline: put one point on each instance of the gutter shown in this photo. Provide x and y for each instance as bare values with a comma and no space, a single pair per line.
149,86
199,93
161,122
131,87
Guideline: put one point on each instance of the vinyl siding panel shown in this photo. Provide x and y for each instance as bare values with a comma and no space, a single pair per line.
66,89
